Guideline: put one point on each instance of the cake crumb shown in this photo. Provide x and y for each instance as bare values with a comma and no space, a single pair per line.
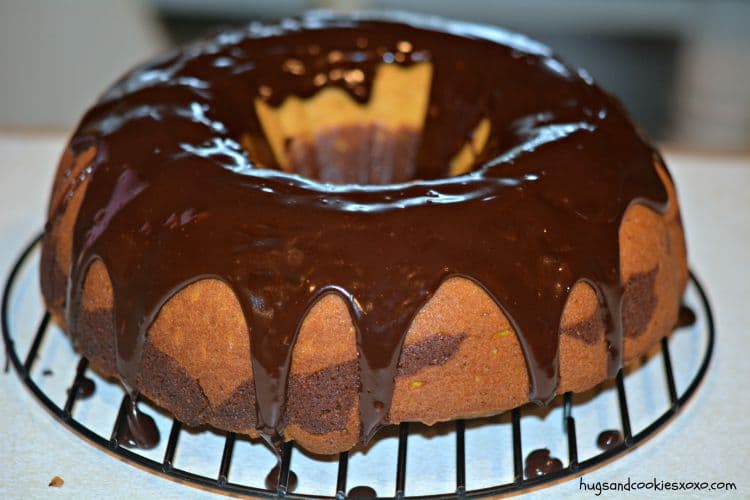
56,482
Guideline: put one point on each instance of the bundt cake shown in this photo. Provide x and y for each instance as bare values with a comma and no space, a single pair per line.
308,230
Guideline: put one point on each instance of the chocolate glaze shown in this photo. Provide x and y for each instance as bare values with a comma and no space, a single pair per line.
140,430
361,492
173,198
686,317
606,440
272,480
85,389
539,462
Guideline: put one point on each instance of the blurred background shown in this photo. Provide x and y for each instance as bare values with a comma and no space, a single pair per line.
682,67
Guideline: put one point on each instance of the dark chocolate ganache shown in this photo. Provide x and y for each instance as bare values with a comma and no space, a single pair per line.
606,440
685,317
272,480
173,197
539,463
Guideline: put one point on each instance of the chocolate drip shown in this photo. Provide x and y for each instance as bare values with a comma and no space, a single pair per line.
85,389
173,198
606,440
272,480
686,317
539,462
361,492
140,430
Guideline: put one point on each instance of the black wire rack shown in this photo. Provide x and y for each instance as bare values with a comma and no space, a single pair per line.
220,483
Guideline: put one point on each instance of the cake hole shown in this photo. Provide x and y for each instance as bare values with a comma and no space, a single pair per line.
332,137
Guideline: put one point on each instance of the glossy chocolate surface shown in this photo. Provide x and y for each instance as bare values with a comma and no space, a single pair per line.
361,492
685,317
137,430
606,440
173,198
272,480
540,462
85,389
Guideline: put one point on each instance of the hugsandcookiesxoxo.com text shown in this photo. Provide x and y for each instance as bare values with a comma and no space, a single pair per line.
654,484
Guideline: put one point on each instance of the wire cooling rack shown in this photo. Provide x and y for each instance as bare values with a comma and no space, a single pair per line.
29,324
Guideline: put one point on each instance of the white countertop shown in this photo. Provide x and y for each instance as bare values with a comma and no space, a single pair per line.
709,441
